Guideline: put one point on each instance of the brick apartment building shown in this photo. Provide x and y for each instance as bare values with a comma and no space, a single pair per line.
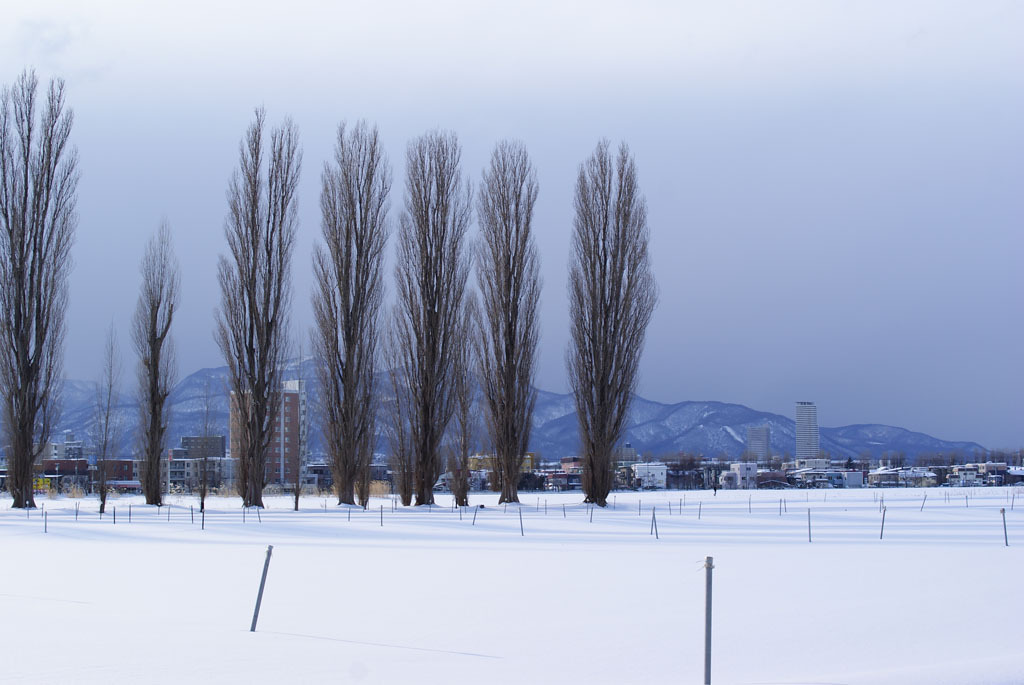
288,443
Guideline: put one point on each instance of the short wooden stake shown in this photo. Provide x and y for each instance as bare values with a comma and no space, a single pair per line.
780,506
591,513
881,533
1005,538
563,510
475,509
115,516
699,505
521,531
45,515
382,516
192,513
129,513
258,517
655,519
923,501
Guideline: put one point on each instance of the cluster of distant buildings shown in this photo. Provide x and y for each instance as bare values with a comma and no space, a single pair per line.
67,465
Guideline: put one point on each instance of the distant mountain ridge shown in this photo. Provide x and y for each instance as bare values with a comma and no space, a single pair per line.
710,428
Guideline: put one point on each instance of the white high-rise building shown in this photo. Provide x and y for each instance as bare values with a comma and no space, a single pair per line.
806,431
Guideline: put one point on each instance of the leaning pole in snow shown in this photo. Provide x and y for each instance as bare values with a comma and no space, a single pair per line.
259,596
708,565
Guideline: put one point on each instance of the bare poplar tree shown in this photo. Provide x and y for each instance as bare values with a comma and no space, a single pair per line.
256,291
106,424
38,198
612,294
465,420
347,303
431,272
151,328
509,278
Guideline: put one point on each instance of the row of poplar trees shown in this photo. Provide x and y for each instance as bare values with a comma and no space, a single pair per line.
440,340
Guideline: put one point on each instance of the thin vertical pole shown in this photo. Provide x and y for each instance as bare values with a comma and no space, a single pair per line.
382,516
192,513
76,511
475,509
882,532
563,510
1005,538
923,501
115,516
45,515
521,531
748,502
699,505
656,536
780,506
708,566
202,518
129,513
259,597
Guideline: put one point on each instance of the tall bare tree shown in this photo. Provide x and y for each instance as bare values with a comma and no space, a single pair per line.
255,285
106,423
431,272
38,199
509,279
151,328
347,302
612,294
465,428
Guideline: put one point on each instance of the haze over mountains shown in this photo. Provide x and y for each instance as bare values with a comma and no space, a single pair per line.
706,427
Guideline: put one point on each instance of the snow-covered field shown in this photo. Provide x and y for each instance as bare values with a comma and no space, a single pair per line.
430,598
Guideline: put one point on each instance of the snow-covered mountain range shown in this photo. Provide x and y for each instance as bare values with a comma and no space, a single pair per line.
709,428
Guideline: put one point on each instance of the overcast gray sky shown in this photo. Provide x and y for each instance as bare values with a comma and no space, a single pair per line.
835,189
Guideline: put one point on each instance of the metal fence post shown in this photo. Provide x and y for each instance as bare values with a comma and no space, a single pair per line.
708,566
259,597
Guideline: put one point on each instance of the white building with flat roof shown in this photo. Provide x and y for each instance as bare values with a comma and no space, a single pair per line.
807,431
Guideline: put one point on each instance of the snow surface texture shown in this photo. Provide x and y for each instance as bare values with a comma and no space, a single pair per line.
430,598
